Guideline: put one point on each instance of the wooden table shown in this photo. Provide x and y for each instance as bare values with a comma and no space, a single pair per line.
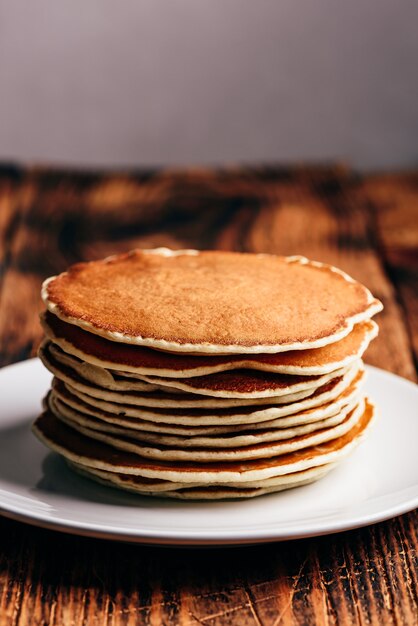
367,226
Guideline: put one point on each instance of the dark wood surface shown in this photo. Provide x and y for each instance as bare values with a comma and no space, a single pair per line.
368,226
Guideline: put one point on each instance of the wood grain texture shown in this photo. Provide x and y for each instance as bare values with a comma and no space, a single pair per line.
367,226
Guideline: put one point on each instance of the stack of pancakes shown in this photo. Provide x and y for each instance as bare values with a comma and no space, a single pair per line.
205,374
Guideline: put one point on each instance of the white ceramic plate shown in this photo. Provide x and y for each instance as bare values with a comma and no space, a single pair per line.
378,481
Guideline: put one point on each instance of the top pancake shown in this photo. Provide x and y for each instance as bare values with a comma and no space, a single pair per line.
210,302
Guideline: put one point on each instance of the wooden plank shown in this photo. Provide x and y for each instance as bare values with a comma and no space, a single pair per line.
20,282
393,199
367,575
10,219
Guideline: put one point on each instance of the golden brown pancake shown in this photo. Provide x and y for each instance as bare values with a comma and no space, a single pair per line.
241,384
258,420
165,397
244,383
137,359
259,450
154,484
169,489
211,414
238,439
90,453
216,302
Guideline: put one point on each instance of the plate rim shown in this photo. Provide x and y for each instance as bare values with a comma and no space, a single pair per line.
230,537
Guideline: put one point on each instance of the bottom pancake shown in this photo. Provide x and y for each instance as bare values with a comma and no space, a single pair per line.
195,491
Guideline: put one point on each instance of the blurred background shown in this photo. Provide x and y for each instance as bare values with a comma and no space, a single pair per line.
178,82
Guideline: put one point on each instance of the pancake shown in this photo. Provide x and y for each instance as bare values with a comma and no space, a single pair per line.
102,420
137,484
83,374
232,439
261,450
90,453
53,356
163,400
210,415
138,360
148,484
247,384
166,489
210,302
227,493
159,398
215,455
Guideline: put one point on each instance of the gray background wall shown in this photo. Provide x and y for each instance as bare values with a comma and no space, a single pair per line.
180,81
